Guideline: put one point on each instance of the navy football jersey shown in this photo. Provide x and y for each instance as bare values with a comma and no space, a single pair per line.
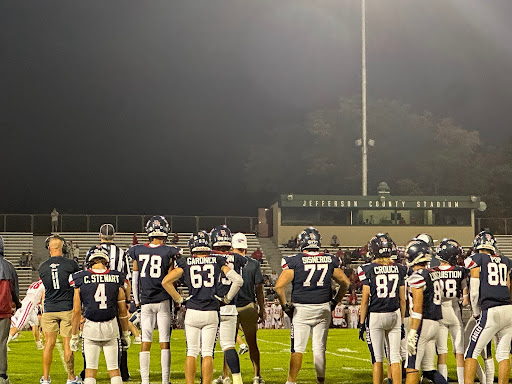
235,262
451,279
98,292
312,276
55,273
384,282
201,275
493,279
153,264
428,279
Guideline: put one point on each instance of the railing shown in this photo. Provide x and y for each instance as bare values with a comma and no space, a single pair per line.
41,223
497,225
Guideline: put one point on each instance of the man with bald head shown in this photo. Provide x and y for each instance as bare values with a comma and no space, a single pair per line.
58,305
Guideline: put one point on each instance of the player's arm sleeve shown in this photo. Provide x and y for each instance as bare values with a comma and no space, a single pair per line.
416,281
236,282
362,276
474,295
135,285
473,261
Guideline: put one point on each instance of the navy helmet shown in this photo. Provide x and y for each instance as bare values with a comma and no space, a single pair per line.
199,242
485,240
417,252
157,226
309,238
97,252
381,245
220,236
449,251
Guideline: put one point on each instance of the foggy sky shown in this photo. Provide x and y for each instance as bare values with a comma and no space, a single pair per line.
125,106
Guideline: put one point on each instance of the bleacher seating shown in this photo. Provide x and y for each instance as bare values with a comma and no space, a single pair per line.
15,244
505,244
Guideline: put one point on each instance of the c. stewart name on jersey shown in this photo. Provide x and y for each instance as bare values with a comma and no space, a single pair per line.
94,279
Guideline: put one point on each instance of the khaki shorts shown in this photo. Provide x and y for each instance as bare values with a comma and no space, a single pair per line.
57,321
248,317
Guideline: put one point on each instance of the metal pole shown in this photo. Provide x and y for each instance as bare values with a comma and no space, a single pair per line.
364,148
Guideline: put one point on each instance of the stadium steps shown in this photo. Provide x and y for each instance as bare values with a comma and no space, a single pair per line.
15,244
505,244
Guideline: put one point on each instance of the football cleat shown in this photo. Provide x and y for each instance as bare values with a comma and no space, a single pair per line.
157,226
309,238
43,381
243,349
39,345
258,380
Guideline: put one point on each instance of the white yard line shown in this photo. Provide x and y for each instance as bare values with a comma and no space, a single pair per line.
329,352
58,344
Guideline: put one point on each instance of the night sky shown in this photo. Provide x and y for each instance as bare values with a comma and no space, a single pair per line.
152,106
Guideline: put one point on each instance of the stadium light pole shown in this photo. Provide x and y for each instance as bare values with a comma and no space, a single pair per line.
364,147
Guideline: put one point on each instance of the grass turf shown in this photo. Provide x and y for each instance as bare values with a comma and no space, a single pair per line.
348,360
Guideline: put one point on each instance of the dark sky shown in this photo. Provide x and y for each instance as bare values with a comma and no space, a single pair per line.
150,106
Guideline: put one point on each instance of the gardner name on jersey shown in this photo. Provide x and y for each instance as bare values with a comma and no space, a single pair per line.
312,276
200,274
153,263
384,282
99,292
428,279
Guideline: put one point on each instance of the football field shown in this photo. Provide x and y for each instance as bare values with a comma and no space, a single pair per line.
347,360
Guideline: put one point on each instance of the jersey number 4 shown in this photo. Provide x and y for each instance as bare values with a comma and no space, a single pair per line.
155,265
101,297
311,269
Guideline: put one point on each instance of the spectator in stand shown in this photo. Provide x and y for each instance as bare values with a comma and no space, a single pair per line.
352,299
9,297
175,238
340,254
326,251
257,255
347,259
356,253
273,277
23,259
55,220
334,241
76,253
30,257
135,241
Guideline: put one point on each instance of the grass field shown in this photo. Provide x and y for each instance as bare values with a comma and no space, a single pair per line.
347,360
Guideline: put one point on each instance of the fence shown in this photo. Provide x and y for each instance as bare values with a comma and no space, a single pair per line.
41,223
497,225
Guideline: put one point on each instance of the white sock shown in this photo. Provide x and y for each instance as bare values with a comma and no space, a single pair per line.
89,380
237,378
489,371
116,380
443,370
291,382
165,360
480,374
144,366
460,374
319,361
9,339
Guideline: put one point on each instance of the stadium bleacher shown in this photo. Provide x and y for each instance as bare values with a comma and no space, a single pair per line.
15,244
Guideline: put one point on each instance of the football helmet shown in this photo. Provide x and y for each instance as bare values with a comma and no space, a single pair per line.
199,242
418,252
309,238
95,253
220,236
485,240
157,226
449,250
381,245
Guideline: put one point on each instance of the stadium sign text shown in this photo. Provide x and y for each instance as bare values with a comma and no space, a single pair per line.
379,204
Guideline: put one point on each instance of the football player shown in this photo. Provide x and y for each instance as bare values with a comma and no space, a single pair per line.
310,273
201,271
276,315
221,245
453,279
28,313
151,263
101,292
489,294
425,298
382,307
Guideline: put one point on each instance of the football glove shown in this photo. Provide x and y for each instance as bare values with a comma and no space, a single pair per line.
402,331
333,303
223,300
411,342
362,331
125,340
289,308
74,343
